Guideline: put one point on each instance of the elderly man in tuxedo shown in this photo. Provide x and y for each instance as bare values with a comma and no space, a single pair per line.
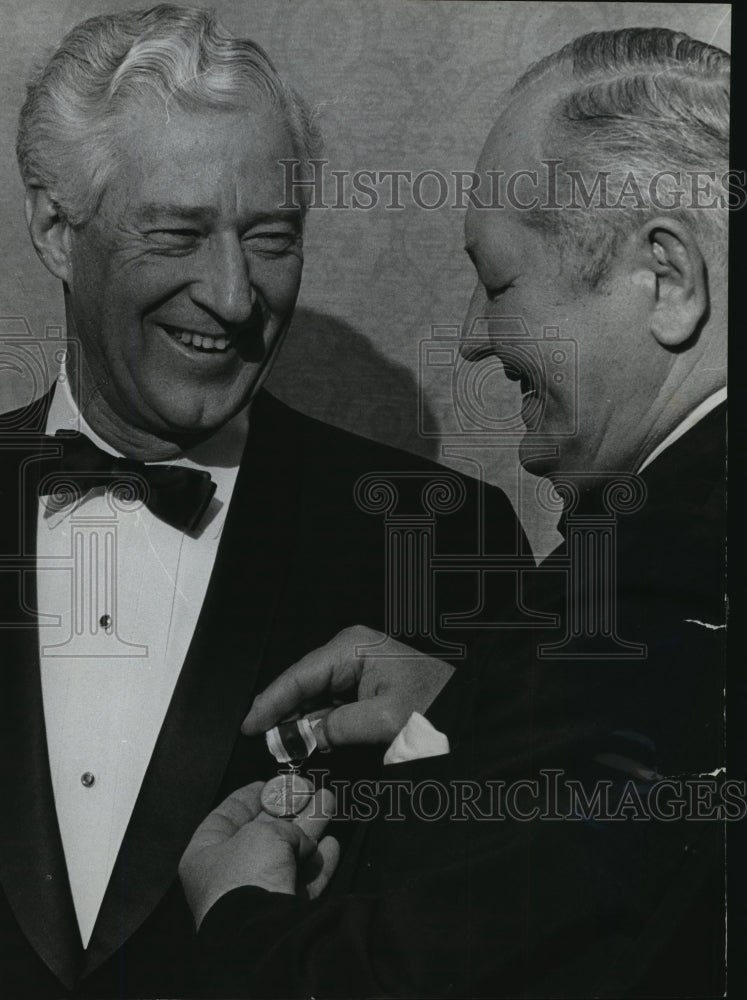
546,893
172,536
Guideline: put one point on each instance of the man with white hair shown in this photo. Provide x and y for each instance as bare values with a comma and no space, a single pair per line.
165,549
580,853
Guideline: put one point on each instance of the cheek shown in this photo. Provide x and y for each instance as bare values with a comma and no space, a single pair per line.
278,281
101,289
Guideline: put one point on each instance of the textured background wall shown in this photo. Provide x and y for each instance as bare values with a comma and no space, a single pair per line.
400,85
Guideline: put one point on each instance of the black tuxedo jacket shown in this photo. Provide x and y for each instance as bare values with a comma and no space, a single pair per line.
298,560
570,901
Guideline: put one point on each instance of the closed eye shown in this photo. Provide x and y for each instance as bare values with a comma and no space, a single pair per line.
175,239
274,243
175,232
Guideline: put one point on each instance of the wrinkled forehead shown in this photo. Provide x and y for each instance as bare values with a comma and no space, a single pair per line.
202,157
171,129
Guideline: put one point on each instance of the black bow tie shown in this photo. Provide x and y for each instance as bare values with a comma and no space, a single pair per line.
174,494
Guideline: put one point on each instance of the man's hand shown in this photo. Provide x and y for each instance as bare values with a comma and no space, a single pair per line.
239,845
382,690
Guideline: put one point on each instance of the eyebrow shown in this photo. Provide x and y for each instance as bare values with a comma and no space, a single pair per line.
155,211
292,215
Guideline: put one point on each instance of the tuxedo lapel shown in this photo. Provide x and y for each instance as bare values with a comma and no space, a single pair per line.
216,683
32,862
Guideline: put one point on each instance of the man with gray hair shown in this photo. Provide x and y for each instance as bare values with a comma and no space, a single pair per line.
165,551
579,849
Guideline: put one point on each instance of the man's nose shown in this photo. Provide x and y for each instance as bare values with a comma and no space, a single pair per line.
471,347
225,286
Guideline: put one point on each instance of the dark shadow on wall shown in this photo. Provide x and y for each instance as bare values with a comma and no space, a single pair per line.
328,370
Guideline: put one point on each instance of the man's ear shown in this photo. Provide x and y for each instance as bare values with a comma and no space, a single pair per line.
672,254
50,232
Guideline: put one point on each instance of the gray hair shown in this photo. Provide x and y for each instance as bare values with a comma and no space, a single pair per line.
646,100
177,55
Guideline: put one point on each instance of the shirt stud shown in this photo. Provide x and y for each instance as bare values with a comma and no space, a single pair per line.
87,779
105,621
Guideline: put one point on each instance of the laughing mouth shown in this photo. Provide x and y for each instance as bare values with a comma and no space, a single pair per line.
205,342
516,373
246,339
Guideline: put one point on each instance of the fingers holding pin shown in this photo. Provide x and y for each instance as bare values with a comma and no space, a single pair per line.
288,794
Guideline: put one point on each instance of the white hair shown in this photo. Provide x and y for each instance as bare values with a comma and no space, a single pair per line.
179,55
644,100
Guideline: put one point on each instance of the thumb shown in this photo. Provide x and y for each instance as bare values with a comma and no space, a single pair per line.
376,720
223,822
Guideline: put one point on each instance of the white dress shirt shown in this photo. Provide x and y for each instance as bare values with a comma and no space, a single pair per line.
120,592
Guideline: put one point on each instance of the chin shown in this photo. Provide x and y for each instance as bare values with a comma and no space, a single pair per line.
201,415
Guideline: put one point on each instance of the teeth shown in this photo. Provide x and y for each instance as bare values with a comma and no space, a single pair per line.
201,340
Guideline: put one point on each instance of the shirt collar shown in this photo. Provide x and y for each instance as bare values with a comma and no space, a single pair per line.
690,421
